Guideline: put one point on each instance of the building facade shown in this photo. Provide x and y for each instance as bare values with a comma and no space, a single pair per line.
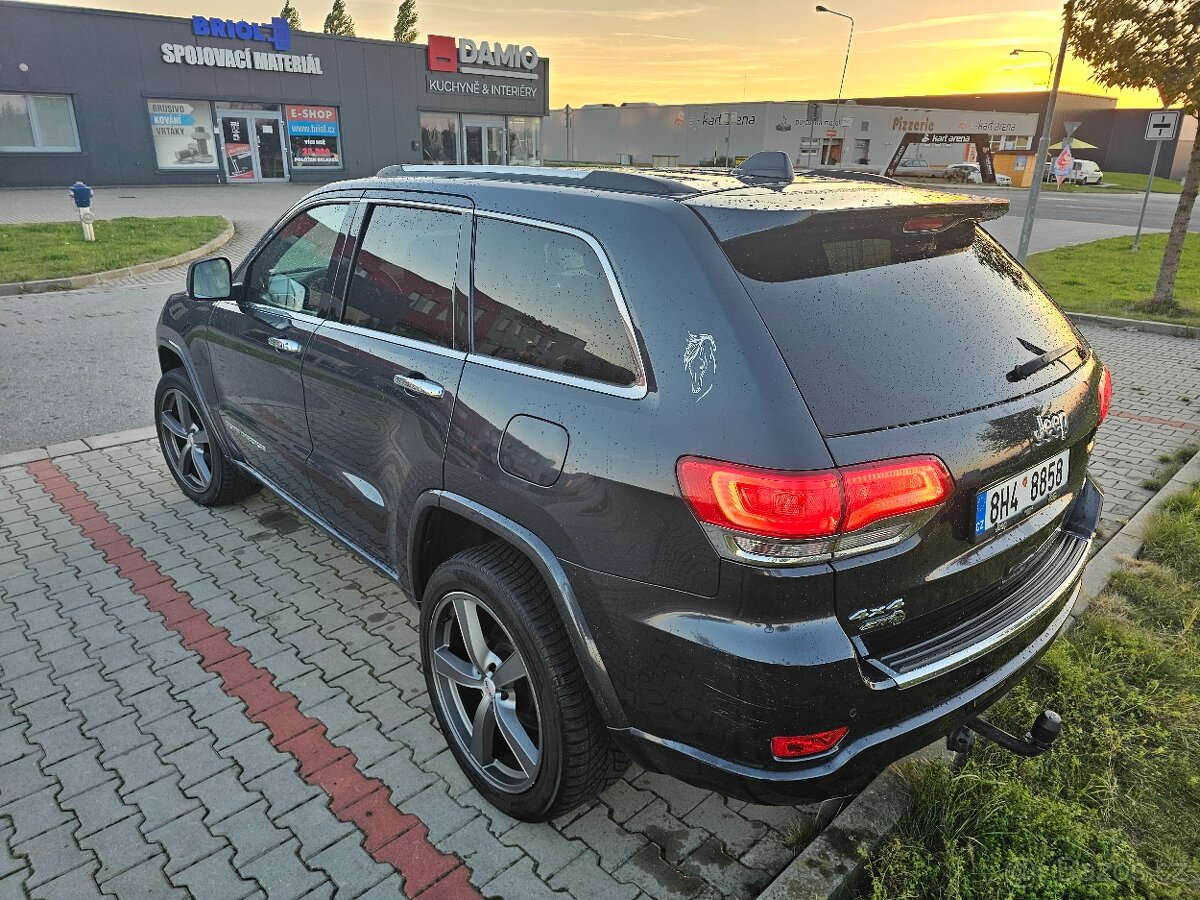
814,134
122,98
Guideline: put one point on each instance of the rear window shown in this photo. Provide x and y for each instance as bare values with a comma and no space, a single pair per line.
883,327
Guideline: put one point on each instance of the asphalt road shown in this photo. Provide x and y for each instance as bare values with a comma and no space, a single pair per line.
83,363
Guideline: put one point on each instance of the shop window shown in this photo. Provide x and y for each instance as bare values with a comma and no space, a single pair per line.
439,138
38,123
314,137
553,290
524,141
183,134
403,280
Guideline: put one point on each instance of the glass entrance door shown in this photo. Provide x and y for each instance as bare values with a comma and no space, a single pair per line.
271,161
483,142
252,148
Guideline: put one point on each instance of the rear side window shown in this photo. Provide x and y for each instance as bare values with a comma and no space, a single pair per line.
403,279
884,325
542,298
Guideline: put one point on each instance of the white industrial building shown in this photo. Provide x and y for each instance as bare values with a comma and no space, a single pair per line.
849,134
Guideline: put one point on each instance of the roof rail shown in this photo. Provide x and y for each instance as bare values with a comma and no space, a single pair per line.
596,179
851,175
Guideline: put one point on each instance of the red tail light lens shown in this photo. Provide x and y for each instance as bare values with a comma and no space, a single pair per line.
800,505
762,501
893,488
1105,393
927,224
806,744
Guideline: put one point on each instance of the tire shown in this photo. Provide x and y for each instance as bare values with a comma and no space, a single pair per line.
499,588
196,460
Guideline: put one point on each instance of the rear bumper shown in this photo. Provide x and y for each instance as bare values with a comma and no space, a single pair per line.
725,698
852,766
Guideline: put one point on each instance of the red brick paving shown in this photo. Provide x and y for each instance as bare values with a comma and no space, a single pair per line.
391,837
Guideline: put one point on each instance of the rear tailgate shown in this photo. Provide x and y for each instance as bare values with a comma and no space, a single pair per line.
901,322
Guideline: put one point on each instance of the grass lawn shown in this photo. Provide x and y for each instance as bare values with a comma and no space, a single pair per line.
1119,183
57,249
1103,277
1114,810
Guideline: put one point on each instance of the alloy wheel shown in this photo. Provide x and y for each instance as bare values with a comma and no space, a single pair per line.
485,692
185,440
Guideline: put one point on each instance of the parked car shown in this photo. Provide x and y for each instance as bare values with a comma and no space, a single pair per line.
760,482
970,172
1083,171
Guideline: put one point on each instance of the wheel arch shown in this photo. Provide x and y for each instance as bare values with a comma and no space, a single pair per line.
429,547
173,357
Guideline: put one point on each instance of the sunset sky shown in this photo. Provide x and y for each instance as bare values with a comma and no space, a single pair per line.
611,51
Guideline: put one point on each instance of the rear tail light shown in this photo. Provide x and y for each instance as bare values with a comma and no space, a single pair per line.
803,745
1105,393
786,518
928,224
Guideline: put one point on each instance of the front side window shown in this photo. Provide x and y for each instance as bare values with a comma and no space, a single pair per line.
37,123
293,271
542,299
403,279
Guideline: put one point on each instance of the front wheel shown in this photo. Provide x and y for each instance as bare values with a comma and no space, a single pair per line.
507,689
197,462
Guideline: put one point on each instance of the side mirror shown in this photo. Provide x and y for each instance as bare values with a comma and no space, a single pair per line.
210,279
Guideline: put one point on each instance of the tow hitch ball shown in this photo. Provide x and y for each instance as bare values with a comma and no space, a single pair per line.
1040,737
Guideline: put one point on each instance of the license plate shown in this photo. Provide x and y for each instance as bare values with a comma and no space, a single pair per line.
1030,489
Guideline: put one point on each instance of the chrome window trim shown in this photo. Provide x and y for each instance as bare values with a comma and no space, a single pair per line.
635,391
397,340
1069,585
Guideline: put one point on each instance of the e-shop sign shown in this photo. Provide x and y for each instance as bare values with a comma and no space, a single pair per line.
276,32
313,136
466,57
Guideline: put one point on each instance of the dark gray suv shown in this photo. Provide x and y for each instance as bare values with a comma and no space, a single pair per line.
760,481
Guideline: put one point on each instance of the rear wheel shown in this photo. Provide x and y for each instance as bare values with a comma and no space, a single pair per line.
507,689
197,462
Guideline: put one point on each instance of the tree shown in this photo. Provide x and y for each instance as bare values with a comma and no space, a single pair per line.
339,21
405,31
1149,44
290,15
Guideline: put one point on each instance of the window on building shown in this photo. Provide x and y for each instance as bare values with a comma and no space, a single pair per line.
439,138
183,134
314,137
524,141
293,270
38,123
403,280
551,290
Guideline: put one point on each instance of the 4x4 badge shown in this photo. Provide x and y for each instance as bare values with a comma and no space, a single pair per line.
871,617
699,358
1048,426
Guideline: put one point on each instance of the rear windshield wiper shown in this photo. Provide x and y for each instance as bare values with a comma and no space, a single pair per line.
1025,369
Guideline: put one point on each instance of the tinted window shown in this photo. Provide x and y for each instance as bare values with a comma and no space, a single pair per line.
882,328
293,270
403,281
542,298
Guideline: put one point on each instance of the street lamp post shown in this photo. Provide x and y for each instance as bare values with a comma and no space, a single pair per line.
1044,140
845,65
1050,56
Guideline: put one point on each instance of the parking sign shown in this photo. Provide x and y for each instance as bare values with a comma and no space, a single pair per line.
1162,125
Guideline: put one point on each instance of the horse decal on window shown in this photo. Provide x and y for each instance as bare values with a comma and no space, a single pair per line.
699,359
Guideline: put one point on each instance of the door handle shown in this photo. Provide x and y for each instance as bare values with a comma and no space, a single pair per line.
287,345
419,385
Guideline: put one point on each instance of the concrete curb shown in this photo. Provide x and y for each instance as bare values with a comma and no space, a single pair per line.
1186,331
97,442
15,288
833,863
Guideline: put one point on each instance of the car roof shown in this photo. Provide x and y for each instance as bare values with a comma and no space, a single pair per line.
499,188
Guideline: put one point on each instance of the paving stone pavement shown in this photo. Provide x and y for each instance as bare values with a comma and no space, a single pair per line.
225,703
1155,411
